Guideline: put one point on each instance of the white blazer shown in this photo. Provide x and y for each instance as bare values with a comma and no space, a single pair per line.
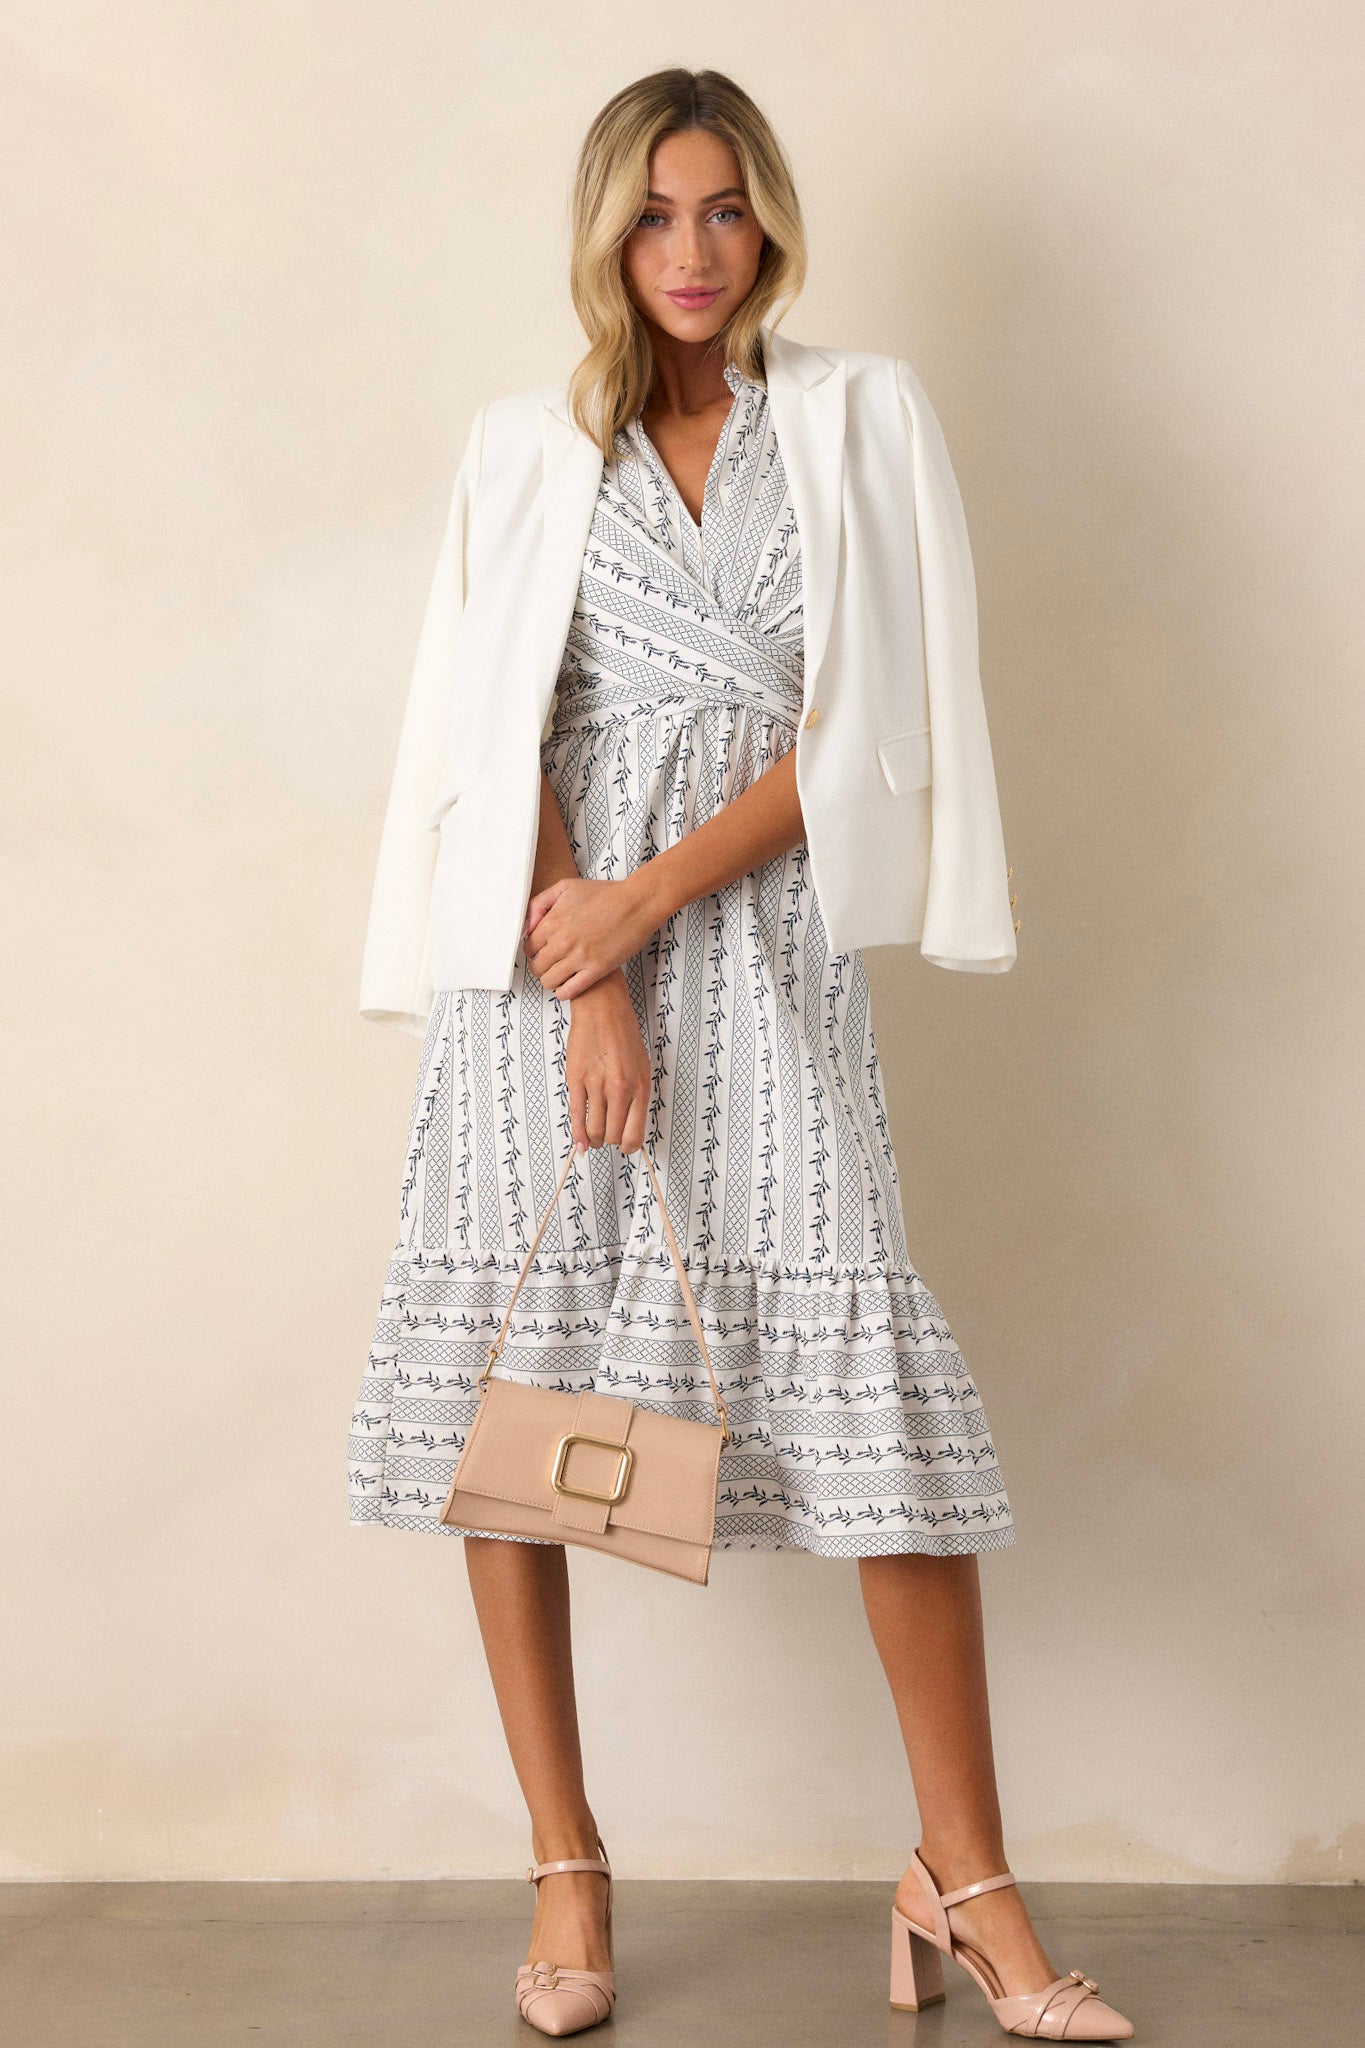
893,759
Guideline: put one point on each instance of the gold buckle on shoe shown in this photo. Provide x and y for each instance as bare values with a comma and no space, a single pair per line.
1089,1982
560,1485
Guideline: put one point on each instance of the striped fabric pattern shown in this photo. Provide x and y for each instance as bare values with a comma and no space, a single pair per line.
859,1428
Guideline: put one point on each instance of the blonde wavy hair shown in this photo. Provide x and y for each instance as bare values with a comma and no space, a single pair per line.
610,384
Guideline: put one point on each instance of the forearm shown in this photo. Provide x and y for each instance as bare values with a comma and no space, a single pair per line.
765,820
581,931
555,862
554,854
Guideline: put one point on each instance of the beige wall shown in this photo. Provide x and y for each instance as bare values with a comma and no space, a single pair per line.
264,263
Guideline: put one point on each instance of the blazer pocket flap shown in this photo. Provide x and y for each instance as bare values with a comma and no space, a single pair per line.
907,760
440,807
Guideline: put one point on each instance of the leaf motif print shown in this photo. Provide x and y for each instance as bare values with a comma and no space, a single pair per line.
858,1428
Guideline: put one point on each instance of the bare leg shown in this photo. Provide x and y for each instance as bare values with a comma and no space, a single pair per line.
521,1597
925,1616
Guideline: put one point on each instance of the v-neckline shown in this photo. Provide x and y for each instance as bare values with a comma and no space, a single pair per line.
698,527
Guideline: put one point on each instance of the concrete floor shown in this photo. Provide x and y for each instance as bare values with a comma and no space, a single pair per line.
799,1965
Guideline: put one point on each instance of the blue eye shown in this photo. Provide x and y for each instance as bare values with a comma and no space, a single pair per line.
735,213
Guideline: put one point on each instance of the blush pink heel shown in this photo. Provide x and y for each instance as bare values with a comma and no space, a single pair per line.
1068,2009
559,2000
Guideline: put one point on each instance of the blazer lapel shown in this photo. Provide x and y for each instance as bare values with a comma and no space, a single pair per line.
807,394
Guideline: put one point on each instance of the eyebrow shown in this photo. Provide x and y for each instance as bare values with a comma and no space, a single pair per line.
732,192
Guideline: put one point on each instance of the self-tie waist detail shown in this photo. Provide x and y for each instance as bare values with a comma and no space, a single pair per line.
593,708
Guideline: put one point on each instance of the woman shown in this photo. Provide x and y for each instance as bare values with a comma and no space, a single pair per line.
714,676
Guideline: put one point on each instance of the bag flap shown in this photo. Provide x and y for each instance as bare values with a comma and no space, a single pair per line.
670,1486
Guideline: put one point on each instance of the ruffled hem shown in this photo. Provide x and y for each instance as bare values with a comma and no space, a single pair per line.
858,1428
775,1534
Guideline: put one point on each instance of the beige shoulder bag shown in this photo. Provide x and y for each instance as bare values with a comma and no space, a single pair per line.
592,1468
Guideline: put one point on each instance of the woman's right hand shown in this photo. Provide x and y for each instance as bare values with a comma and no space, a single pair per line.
607,1067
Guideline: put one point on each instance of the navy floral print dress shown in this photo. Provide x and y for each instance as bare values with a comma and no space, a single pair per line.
858,1426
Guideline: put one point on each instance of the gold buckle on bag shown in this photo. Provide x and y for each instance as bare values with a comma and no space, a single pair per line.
623,1452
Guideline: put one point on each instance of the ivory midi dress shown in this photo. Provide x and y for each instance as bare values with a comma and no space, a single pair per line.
858,1426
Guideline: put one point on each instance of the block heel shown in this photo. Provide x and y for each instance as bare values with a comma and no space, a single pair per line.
1067,2009
916,1966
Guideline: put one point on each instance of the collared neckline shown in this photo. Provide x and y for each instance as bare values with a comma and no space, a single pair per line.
737,380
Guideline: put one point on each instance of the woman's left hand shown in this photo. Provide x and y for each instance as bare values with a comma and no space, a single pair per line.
577,930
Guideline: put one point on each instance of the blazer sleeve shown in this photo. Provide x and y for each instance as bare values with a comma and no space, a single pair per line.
968,923
395,974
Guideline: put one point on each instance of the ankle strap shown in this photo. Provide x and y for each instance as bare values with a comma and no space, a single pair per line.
536,1871
984,1884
